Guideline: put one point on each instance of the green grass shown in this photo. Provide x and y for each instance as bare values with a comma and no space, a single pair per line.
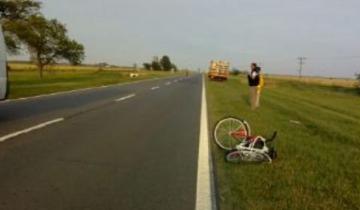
28,83
319,160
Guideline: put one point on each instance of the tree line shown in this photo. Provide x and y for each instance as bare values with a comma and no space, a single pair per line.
164,64
46,40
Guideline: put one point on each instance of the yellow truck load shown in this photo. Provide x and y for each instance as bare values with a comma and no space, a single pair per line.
219,70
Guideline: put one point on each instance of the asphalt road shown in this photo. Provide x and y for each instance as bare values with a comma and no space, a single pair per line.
129,146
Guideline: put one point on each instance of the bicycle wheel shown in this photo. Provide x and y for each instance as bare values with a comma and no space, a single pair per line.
226,132
237,156
233,156
256,157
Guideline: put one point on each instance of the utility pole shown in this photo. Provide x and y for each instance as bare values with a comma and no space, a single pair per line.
301,63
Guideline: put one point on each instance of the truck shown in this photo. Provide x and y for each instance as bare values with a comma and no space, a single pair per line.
3,70
219,70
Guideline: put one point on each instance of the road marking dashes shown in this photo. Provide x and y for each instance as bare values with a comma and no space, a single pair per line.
27,130
125,97
154,88
168,83
77,90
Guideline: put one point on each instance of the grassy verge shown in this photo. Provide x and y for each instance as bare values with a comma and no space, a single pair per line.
318,163
28,83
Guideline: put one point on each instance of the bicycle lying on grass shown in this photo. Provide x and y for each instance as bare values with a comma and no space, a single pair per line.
234,136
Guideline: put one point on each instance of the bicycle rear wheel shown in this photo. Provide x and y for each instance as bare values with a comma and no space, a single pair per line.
233,156
229,132
237,156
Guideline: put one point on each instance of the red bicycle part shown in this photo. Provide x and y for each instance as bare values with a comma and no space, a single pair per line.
239,134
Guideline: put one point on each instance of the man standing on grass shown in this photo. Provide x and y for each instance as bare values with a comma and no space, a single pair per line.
255,84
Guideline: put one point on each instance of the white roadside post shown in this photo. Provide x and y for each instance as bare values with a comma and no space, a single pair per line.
3,71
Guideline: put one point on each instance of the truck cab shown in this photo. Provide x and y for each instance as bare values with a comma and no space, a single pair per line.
3,70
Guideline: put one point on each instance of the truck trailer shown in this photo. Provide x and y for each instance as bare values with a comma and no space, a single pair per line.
219,70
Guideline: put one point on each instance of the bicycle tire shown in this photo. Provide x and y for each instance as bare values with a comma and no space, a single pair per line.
224,127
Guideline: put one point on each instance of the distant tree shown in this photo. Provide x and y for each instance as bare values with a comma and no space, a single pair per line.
102,65
147,66
244,72
156,66
174,67
14,15
48,42
358,78
166,63
235,71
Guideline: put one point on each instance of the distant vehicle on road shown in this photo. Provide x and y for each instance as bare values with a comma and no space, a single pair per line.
3,71
219,70
134,75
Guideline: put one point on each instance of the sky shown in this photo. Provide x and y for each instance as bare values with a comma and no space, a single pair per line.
273,33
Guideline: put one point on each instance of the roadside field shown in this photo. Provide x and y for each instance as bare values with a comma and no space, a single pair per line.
318,159
24,83
341,82
24,66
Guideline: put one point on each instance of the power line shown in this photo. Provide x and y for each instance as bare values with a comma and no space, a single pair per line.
301,63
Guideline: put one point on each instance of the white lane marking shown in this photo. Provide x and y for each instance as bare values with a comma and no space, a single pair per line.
175,80
125,97
154,88
205,196
168,83
27,130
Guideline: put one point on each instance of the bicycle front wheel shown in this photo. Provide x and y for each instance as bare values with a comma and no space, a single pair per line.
233,156
229,132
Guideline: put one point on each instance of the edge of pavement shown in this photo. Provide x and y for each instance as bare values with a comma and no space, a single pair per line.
205,189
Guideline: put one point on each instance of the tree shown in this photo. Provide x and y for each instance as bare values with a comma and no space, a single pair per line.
102,65
235,71
14,14
48,42
147,66
174,67
166,63
18,9
156,66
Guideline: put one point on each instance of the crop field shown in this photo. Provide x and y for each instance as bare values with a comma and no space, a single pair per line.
318,156
340,82
24,79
